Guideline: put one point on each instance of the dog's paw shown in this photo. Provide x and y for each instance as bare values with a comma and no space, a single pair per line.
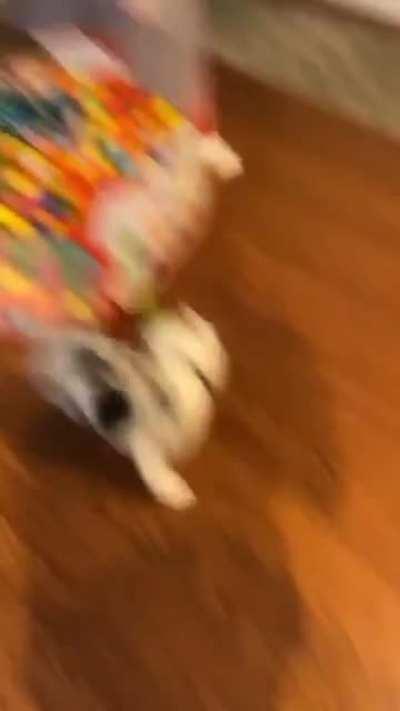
174,492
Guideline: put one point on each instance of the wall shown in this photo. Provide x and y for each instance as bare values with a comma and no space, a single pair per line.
388,10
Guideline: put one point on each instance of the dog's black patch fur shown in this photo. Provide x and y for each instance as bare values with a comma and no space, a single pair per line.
112,408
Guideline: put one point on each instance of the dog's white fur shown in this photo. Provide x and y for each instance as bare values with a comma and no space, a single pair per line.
168,383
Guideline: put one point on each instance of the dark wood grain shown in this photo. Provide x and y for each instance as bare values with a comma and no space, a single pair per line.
281,590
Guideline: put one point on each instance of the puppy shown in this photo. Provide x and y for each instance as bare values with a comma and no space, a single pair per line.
153,404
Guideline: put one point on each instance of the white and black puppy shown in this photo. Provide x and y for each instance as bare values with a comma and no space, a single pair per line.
154,403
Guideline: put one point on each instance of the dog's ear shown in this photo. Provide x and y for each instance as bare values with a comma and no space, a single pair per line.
112,408
91,363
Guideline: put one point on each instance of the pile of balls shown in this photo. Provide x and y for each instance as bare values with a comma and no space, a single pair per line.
94,208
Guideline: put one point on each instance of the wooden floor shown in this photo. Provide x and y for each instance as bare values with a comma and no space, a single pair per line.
281,591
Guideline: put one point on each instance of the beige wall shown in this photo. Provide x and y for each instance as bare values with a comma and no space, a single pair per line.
388,10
